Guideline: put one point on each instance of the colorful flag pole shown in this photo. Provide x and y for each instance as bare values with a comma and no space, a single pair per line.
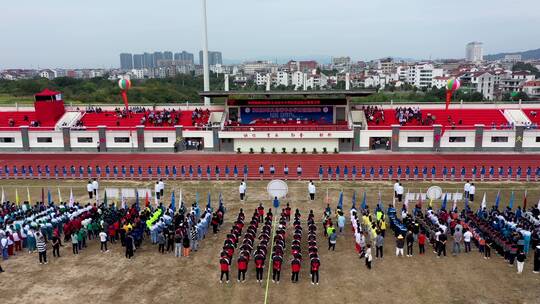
173,201
71,198
49,196
59,196
525,200
498,199
445,200
484,202
3,196
364,201
28,195
340,201
42,195
17,200
354,200
511,203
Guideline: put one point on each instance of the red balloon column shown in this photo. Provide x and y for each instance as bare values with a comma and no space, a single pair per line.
125,85
452,86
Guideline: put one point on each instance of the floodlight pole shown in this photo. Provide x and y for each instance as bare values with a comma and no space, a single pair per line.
206,73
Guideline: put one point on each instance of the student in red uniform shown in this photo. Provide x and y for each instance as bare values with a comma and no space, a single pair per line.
422,242
260,212
224,265
295,267
242,267
315,264
276,267
259,265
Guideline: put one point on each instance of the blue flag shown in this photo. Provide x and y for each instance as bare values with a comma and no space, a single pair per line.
498,199
137,200
379,202
364,203
173,201
354,200
340,201
221,207
443,206
511,203
209,203
49,198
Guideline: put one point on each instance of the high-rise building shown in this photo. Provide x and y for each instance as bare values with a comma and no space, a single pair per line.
213,58
157,57
138,61
126,61
148,60
167,55
188,58
474,52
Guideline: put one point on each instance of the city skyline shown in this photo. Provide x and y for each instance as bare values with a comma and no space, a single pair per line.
245,30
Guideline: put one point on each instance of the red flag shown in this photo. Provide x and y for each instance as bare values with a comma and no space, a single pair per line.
147,200
448,98
124,97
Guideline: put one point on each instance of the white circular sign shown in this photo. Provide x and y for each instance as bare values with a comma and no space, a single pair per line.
277,188
434,192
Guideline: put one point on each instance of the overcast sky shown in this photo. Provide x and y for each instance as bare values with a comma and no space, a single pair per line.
73,33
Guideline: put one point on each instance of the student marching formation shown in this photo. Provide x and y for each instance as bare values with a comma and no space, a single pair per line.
278,249
43,226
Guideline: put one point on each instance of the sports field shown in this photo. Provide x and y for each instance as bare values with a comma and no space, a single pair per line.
95,277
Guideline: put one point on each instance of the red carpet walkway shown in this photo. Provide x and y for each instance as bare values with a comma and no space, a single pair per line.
309,162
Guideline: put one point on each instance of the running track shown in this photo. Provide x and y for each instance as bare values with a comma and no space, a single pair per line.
309,162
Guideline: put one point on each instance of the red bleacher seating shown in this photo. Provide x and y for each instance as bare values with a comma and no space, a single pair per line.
534,118
112,119
18,118
468,117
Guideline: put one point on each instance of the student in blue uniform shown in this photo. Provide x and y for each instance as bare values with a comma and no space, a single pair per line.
518,173
208,172
407,172
174,172
272,170
501,172
473,172
167,172
491,172
482,173
337,172
285,172
299,172
424,173
371,173
529,172
190,171
433,172
23,172
39,171
321,173
227,172
131,171
216,172
463,172
16,172
399,171
183,171
199,172
47,172
56,172
363,172
64,172
345,172
245,172
124,171
537,173
415,172
107,171
140,172
115,171
98,171
444,173
6,172
149,172
261,171
381,172
510,172
31,172
88,171
235,172
353,173
158,172
390,172
329,172
81,172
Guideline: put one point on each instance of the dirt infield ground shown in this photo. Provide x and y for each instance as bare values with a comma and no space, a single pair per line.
94,277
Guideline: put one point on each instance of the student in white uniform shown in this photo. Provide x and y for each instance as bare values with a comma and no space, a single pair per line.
242,190
157,190
90,189
466,189
399,192
472,191
396,185
311,190
161,187
95,185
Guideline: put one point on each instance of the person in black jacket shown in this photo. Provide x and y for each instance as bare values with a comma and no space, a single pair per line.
410,243
129,242
536,268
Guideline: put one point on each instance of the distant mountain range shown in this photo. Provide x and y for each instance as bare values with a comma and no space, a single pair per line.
525,55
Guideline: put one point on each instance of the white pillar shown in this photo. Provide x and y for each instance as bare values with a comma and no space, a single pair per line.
206,72
347,81
305,81
226,85
268,81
